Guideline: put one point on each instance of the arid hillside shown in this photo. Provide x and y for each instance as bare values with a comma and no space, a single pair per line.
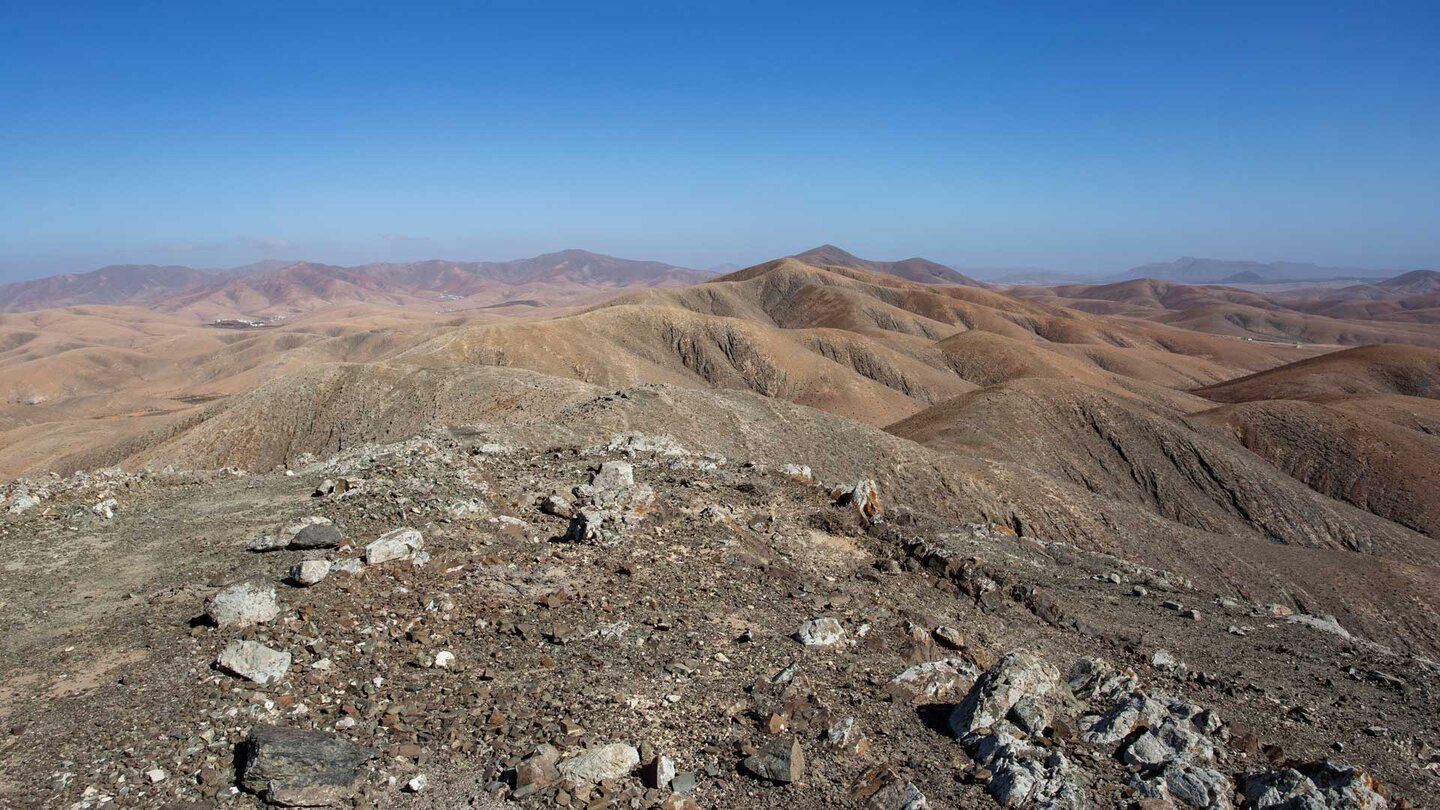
1404,309
1112,466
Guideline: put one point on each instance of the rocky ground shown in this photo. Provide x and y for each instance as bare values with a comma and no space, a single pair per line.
456,621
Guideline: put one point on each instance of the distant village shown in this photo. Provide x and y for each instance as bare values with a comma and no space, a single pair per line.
240,323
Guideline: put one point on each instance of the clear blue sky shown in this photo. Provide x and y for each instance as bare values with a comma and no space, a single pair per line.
1078,135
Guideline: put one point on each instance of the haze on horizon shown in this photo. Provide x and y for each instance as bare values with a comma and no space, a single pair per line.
1075,138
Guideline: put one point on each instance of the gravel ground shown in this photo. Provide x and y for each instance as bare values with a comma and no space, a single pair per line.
671,628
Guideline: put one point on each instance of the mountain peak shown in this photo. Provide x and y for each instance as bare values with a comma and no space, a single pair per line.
916,269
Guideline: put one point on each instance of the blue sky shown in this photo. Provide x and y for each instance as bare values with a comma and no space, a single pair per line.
1076,135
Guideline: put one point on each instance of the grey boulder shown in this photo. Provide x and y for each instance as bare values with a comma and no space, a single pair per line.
295,768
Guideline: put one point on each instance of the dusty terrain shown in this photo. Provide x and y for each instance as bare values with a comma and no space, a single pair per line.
674,635
1064,472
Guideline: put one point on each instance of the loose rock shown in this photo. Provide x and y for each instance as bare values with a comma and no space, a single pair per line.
298,768
599,764
310,572
820,632
241,604
396,544
316,536
254,661
781,761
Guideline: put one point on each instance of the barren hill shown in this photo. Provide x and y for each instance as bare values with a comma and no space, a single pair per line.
116,284
1146,455
1406,370
913,269
1347,454
1400,310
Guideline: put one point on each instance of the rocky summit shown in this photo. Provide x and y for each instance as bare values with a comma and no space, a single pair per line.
717,633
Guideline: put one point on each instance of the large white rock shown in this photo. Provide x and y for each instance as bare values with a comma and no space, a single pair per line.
614,487
599,764
1168,742
254,661
1016,677
933,679
820,632
241,604
22,502
310,572
396,544
614,475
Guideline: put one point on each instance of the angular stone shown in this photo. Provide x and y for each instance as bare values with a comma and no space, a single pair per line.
352,566
296,768
799,472
396,544
865,500
599,764
1346,786
22,502
1167,743
1030,778
844,735
537,771
659,772
820,632
1015,676
614,476
1277,788
254,661
949,637
884,789
1123,717
557,506
241,604
1200,788
310,572
782,760
933,679
315,536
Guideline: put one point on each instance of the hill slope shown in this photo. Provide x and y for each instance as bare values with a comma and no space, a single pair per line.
915,269
1389,369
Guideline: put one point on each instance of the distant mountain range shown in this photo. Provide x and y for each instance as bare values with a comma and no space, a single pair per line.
301,285
1191,270
278,287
